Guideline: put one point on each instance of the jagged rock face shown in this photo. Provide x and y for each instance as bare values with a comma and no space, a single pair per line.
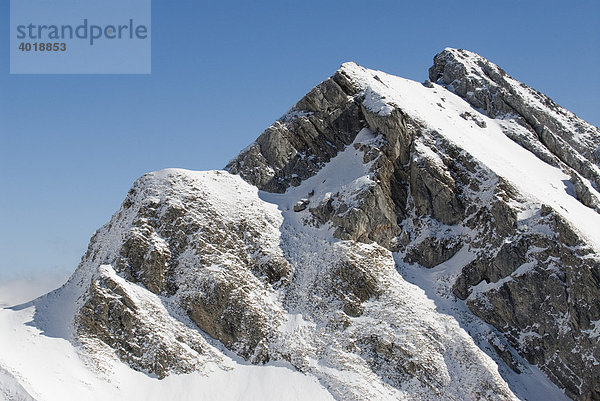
547,306
556,135
383,205
181,254
367,176
442,199
295,147
179,241
545,311
137,327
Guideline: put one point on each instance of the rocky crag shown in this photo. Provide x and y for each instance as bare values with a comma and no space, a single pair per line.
397,240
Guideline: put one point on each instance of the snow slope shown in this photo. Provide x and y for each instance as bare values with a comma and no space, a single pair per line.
439,110
38,367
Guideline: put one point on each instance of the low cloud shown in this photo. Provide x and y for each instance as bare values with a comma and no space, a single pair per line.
20,290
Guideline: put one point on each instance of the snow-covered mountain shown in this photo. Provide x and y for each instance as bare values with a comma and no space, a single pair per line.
383,240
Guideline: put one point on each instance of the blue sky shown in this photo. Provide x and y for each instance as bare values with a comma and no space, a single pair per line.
71,145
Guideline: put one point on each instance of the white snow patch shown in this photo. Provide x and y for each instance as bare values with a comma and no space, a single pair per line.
50,368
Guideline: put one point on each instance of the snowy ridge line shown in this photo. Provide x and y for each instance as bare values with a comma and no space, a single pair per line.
440,110
584,134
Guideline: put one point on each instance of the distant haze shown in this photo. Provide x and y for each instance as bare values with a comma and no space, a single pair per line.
17,291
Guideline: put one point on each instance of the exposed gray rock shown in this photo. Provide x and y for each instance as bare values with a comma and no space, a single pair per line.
432,251
227,276
544,307
450,192
532,286
145,258
213,265
583,193
294,148
433,192
137,333
487,87
473,117
301,205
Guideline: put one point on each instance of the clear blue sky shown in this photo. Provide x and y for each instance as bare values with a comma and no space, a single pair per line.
70,146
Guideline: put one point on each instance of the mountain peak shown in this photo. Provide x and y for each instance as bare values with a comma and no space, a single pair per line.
450,65
389,238
431,144
553,134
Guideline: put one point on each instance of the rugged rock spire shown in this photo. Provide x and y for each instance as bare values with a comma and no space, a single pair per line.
530,275
554,134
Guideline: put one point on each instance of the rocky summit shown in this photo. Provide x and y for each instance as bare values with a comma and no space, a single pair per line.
388,239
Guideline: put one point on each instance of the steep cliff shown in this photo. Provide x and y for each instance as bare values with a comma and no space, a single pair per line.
447,177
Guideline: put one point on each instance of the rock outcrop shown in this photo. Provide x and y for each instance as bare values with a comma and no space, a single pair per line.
181,258
179,238
301,142
556,135
429,198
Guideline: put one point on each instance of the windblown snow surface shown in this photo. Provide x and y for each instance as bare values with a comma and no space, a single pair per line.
48,365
